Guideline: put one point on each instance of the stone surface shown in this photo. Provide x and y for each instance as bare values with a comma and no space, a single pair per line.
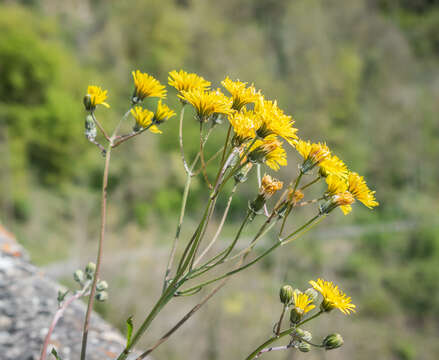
27,305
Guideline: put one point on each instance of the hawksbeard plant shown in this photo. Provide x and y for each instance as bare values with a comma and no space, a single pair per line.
258,133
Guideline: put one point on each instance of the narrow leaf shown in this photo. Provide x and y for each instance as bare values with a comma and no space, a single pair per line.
54,353
130,328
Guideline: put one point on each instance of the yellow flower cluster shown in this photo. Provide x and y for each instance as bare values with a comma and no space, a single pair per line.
333,297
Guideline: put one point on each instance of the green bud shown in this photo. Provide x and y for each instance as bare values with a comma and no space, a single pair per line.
78,276
307,335
101,285
102,296
286,294
299,333
333,341
295,316
90,270
87,103
312,294
304,347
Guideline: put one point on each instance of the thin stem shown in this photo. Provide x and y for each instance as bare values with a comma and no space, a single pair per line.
213,157
129,136
296,184
310,183
203,163
258,350
180,140
182,321
220,227
59,313
258,168
268,251
279,324
313,201
100,251
100,127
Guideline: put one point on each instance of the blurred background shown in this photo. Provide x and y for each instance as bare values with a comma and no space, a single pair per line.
361,75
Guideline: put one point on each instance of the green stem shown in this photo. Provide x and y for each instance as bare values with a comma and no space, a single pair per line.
281,335
310,183
290,206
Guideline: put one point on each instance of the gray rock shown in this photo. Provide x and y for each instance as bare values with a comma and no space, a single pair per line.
27,305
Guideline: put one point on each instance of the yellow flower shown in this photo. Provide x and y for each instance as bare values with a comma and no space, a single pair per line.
187,81
332,165
243,125
163,113
339,196
333,297
144,119
207,103
359,189
295,197
96,96
146,86
302,303
272,120
312,153
241,94
268,151
269,186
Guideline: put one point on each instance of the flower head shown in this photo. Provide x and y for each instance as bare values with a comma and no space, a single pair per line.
359,189
146,86
268,151
302,303
338,194
272,120
333,297
187,81
163,113
241,94
295,197
207,103
243,125
269,186
95,96
313,154
144,119
332,165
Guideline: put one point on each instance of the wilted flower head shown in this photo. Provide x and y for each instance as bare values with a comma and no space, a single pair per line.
269,186
333,297
207,103
187,81
95,96
294,196
241,94
146,86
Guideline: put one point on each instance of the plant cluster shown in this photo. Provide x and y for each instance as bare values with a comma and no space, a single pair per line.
258,133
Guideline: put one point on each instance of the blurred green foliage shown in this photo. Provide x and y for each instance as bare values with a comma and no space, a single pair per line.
360,75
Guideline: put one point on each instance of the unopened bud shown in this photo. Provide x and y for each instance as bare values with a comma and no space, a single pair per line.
78,276
101,285
102,296
286,294
304,347
90,128
88,103
90,269
312,294
333,341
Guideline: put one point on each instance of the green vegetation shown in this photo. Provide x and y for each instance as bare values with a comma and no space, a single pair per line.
364,74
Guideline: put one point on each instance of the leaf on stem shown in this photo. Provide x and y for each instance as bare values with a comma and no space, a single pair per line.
130,328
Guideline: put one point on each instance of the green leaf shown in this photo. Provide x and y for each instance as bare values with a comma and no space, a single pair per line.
130,328
54,353
62,295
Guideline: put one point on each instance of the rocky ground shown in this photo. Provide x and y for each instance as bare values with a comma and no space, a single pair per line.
27,305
